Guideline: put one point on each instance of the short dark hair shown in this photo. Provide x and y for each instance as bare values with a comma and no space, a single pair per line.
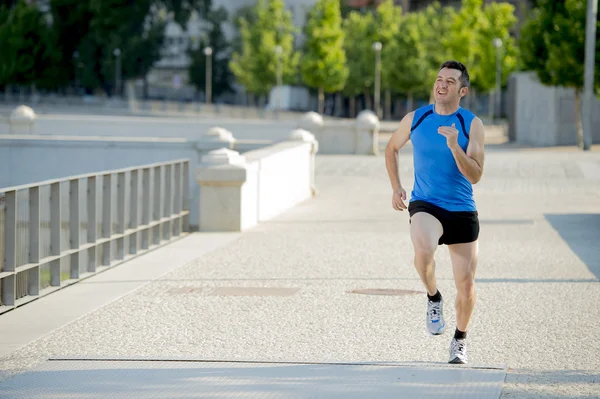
464,75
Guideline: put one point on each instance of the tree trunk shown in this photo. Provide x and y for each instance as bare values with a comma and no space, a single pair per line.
491,106
409,102
398,109
145,87
352,106
368,103
472,97
388,104
321,100
578,118
339,105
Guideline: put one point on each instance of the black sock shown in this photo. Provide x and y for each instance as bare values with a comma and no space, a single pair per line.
460,334
436,298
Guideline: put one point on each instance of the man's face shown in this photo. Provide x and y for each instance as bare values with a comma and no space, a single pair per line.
447,88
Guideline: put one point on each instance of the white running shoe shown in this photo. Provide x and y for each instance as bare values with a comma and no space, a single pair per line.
435,317
458,351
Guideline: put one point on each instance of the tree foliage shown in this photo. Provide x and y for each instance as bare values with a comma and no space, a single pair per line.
407,57
500,20
557,53
324,60
255,66
359,32
28,46
388,18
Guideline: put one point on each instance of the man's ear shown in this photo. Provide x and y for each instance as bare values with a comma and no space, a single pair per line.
463,91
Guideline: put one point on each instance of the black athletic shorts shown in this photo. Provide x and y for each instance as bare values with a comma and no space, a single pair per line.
459,227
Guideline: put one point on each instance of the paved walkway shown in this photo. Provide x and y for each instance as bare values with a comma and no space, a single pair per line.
538,283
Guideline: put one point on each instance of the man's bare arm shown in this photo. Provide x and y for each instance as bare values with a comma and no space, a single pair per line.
471,163
399,138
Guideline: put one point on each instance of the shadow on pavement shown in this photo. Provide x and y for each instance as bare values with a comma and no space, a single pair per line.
521,383
582,233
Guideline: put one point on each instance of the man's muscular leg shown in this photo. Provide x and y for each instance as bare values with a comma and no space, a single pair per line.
464,263
425,231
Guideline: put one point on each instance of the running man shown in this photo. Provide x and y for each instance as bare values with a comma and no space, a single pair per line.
448,155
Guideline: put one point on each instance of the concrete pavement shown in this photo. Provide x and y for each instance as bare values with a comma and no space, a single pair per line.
538,283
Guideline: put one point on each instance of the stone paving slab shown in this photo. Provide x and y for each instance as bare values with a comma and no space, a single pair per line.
538,281
154,379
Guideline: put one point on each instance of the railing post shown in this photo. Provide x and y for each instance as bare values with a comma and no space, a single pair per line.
168,198
74,222
9,284
146,206
186,196
55,243
106,217
34,240
134,215
121,214
157,200
92,218
177,199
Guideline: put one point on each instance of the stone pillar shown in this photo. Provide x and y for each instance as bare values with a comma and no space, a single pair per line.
366,139
303,135
226,202
21,120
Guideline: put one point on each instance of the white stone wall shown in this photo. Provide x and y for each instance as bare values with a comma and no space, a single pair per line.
239,191
543,115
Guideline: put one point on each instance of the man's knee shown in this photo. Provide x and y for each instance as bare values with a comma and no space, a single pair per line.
425,233
424,248
465,285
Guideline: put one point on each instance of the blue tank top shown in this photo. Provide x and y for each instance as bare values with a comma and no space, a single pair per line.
437,177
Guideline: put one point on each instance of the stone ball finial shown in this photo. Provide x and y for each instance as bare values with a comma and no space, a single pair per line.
22,114
367,120
219,134
301,135
311,121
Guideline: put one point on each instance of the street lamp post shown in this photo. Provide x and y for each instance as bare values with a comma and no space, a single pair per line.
588,84
208,53
278,54
117,54
377,47
498,45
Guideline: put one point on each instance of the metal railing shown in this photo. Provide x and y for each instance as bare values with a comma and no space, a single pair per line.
56,232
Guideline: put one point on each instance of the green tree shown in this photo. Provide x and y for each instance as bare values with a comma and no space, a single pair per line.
215,38
247,14
407,54
557,55
388,18
500,21
255,66
464,42
359,32
324,61
89,31
28,47
437,42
